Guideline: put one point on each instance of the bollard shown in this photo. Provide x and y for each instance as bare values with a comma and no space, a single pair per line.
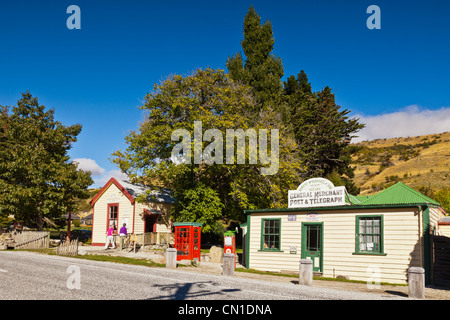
416,282
171,258
228,264
306,272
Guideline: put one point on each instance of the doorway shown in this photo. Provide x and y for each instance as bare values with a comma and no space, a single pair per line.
150,222
312,244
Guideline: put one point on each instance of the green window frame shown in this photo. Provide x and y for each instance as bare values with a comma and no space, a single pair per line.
270,234
369,237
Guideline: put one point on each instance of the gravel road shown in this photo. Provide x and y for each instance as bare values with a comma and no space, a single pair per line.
31,276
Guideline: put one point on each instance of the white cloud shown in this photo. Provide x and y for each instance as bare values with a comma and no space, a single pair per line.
409,122
99,175
103,179
89,165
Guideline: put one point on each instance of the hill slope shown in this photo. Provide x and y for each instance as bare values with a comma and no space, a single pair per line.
422,162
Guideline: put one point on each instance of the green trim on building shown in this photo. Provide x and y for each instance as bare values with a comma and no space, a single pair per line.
427,243
182,224
349,207
380,250
247,252
262,248
303,253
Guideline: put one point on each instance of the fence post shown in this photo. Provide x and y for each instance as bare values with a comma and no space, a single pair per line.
306,272
228,264
416,282
171,258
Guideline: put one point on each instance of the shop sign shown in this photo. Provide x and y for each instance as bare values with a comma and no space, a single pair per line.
314,216
316,192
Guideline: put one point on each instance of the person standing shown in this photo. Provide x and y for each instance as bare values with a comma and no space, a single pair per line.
110,238
122,234
123,230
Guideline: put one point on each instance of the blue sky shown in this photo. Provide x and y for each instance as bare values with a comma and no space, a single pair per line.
98,76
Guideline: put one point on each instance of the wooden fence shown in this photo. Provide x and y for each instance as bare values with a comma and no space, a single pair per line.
148,238
32,239
164,238
441,261
68,248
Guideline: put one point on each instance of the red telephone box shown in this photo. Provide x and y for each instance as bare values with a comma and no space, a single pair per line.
229,244
188,240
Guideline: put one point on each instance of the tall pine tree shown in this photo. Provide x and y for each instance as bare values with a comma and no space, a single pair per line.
261,70
322,131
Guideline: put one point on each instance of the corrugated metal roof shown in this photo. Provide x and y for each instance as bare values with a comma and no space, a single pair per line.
351,199
136,190
362,198
399,193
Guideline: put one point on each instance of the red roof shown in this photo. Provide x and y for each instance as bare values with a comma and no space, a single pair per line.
107,185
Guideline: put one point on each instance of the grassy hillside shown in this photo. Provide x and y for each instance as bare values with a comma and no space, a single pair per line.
422,162
84,207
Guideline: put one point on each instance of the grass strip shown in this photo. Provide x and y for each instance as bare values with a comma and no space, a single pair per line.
268,273
149,263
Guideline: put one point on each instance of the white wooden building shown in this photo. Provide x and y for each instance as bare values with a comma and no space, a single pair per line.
116,204
377,236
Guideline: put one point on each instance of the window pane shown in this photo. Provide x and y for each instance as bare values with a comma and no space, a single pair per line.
313,238
369,224
271,234
370,234
362,243
276,224
376,230
362,226
376,239
112,223
113,212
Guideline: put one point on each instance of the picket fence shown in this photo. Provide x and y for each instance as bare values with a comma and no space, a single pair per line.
32,240
68,248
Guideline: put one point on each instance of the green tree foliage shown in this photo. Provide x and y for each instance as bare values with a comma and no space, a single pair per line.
261,70
443,197
211,97
200,204
37,181
314,134
322,131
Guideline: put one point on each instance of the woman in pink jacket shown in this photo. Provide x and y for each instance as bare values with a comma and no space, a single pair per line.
110,238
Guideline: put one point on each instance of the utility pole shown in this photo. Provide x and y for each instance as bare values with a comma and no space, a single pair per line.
69,221
68,226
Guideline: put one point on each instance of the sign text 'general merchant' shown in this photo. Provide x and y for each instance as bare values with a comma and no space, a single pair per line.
316,192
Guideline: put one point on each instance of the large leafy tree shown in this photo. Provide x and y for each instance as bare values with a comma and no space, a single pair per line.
215,100
38,183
